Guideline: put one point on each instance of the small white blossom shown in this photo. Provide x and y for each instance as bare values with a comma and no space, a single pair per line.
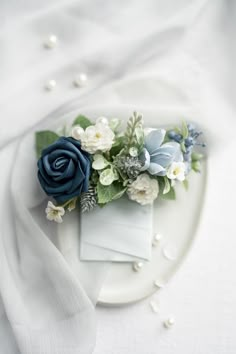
98,137
54,213
143,190
176,171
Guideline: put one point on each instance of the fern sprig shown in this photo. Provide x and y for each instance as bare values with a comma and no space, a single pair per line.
134,125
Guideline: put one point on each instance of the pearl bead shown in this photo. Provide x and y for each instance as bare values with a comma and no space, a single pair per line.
50,85
169,322
137,266
158,284
155,306
102,120
51,42
133,151
170,253
77,132
81,80
156,239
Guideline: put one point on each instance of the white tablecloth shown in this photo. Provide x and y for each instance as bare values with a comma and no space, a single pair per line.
157,44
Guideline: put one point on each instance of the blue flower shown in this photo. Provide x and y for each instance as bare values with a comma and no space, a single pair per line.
156,158
189,143
64,169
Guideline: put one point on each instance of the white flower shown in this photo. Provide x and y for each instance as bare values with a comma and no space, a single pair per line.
54,213
143,190
176,171
98,137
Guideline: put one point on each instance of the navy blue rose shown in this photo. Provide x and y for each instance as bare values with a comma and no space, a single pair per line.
64,169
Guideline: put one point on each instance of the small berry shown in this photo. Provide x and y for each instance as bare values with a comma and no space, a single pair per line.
171,134
189,141
178,138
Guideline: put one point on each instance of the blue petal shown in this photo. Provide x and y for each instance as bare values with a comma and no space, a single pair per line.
178,155
68,173
144,157
166,154
162,159
155,169
154,140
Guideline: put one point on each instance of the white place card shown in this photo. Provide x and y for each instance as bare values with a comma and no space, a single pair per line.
120,232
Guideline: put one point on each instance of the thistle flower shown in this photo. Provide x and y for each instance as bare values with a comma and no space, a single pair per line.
128,165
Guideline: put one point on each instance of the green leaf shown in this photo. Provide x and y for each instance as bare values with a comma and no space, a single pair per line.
170,195
117,146
196,157
167,186
133,125
178,130
72,205
82,121
114,124
183,148
184,129
185,184
196,166
99,162
44,139
107,177
106,194
139,136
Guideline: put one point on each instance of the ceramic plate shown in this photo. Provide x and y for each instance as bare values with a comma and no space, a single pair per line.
176,221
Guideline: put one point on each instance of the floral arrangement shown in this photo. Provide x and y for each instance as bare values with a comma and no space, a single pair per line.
96,163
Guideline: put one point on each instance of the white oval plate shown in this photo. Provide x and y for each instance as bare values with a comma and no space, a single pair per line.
176,221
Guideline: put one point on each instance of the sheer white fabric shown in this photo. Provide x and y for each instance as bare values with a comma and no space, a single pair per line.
137,54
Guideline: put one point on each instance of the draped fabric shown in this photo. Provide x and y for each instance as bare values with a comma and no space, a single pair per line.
157,55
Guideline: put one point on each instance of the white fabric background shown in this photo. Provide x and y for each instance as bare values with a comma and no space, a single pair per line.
183,51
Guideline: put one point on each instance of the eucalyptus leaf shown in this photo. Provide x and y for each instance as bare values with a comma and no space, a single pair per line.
117,146
82,121
183,148
196,157
44,139
106,194
139,132
167,185
99,162
107,177
114,124
184,130
185,184
170,195
196,166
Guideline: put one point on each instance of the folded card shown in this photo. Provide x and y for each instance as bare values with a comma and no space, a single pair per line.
120,232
